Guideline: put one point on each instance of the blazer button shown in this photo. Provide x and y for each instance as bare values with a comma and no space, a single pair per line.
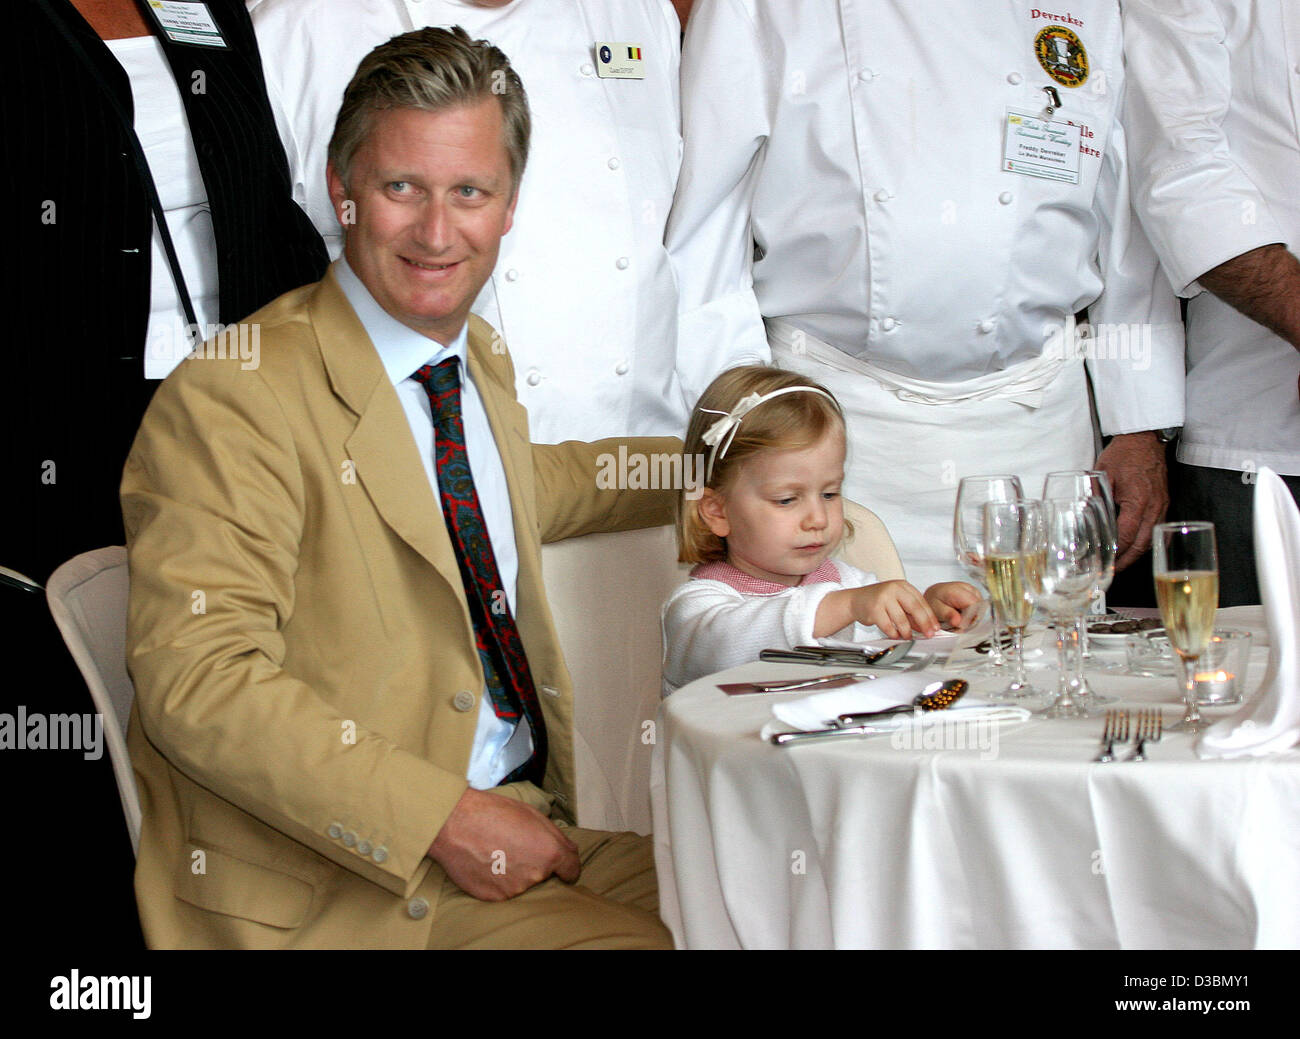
363,847
463,701
335,831
417,908
350,839
380,854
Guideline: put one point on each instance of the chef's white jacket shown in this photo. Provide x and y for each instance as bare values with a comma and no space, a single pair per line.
844,172
583,293
1214,114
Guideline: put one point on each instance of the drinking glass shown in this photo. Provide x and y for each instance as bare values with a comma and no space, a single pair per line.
1094,484
1013,567
1072,565
968,534
1185,564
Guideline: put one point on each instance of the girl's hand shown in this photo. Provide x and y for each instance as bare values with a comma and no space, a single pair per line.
949,600
896,608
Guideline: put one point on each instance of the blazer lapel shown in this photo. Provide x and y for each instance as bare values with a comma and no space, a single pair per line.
381,448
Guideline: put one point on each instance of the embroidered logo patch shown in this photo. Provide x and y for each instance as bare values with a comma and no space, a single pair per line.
1062,56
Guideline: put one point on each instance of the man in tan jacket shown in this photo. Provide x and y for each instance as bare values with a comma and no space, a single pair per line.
320,758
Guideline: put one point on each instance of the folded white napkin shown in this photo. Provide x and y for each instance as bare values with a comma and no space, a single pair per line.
820,710
1269,721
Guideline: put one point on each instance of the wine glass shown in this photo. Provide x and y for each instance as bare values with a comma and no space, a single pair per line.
1090,483
1072,565
1186,568
1013,567
968,533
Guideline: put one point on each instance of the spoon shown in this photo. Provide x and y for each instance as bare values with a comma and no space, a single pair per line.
934,697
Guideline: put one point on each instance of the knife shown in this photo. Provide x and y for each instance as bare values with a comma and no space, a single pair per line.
784,739
829,656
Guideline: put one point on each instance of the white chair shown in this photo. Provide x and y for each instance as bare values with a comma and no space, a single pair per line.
605,592
87,597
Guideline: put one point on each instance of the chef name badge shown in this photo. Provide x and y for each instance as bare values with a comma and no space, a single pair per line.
619,61
185,22
1038,147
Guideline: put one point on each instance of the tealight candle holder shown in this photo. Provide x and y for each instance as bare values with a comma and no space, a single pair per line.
1221,669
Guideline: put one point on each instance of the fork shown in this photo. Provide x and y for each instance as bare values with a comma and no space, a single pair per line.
1114,731
1150,726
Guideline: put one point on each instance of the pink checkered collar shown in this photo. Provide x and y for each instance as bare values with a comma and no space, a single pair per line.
751,585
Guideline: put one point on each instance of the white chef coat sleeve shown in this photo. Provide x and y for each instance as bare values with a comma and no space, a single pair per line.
1137,377
1199,207
725,122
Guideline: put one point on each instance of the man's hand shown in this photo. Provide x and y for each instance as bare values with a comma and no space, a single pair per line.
495,847
1135,463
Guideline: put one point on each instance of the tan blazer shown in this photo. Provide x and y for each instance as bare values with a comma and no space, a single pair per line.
307,686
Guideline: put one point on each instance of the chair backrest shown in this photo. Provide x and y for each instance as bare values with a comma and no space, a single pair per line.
606,591
87,597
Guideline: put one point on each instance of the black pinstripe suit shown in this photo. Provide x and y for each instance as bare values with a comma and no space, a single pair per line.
77,298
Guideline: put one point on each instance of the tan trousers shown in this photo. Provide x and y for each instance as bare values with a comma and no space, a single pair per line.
613,905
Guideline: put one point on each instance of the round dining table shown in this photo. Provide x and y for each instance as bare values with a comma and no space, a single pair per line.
1009,837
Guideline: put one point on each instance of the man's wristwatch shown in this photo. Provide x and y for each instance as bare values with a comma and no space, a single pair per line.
1169,434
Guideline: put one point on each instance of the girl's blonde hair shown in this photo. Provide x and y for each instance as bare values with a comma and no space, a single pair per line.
789,422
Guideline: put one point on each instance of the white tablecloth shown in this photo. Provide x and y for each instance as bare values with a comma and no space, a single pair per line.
1019,843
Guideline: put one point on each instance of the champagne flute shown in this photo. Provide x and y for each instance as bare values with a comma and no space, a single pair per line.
968,534
1186,569
1013,567
1072,565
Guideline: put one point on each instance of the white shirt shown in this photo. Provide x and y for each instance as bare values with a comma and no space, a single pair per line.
583,291
164,134
1214,110
709,624
402,350
856,148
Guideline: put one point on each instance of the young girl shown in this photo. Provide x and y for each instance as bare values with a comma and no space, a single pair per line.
762,532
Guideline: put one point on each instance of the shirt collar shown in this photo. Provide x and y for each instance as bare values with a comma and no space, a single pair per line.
751,585
401,350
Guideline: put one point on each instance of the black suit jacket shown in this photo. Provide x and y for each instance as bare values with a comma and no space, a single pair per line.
77,292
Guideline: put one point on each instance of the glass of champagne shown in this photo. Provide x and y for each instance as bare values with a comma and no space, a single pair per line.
968,534
1072,565
1185,563
1013,568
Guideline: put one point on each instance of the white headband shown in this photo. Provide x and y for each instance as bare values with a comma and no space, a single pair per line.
730,421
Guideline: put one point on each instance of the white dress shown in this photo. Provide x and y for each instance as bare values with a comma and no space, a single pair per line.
722,617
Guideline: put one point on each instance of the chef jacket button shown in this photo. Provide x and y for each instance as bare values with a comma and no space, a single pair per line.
882,195
867,75
512,275
889,324
463,701
380,854
987,325
621,368
622,263
335,831
417,908
363,847
613,163
1015,78
588,70
1006,198
534,377
350,839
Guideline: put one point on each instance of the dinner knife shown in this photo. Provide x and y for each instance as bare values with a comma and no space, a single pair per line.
829,656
